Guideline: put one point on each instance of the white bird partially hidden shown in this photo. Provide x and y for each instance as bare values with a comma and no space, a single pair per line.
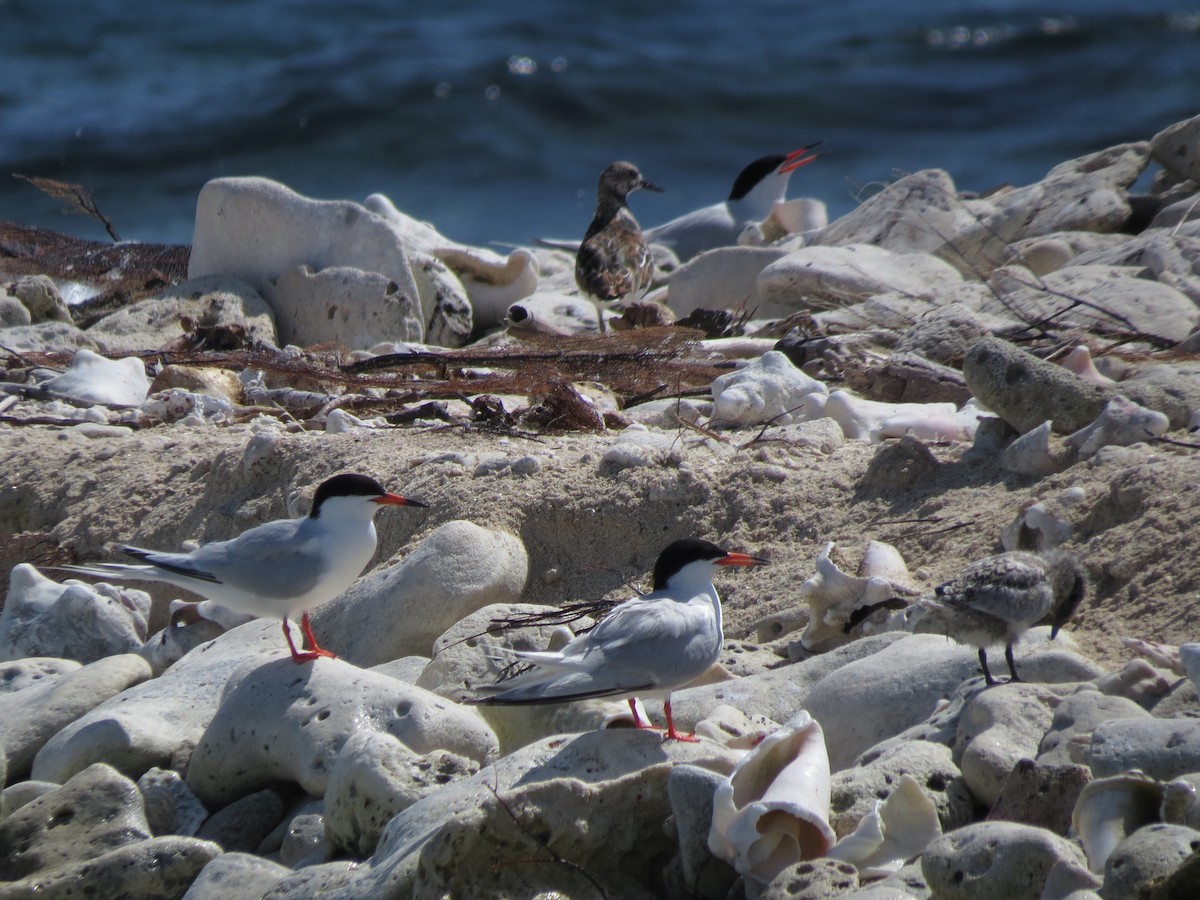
756,190
281,568
646,647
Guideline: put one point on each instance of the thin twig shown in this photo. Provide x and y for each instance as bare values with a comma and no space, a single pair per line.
545,845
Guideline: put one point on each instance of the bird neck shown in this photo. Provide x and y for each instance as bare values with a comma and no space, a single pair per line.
758,201
609,205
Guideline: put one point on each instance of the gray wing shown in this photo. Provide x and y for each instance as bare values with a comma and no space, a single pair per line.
1011,586
273,560
643,644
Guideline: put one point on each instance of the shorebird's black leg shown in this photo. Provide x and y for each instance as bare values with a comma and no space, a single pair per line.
987,676
1012,666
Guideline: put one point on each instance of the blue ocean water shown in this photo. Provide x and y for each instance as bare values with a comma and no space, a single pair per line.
493,121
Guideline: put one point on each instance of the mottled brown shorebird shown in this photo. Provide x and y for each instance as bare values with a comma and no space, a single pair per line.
999,597
613,262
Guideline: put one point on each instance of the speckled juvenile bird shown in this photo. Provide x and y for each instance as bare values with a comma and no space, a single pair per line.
998,598
613,262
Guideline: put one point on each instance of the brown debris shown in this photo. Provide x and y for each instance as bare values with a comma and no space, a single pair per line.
125,272
562,408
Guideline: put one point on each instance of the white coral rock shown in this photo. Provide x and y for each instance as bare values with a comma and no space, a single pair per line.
770,389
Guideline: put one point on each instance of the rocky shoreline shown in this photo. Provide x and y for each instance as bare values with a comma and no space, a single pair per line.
871,405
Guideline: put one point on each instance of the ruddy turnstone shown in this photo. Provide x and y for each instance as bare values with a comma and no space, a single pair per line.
613,262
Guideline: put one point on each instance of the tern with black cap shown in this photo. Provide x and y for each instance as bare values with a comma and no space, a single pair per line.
646,647
756,190
278,569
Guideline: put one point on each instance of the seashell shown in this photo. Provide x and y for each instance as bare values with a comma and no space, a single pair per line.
1042,525
1122,423
1079,361
770,389
938,427
1166,656
833,595
1110,809
91,378
896,830
862,420
550,314
1138,681
773,809
338,421
1031,454
493,282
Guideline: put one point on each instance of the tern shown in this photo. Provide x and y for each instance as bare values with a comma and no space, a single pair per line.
999,597
613,262
647,646
756,190
279,568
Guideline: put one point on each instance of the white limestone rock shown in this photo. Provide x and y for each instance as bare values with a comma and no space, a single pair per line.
770,389
31,717
345,305
460,841
835,276
92,378
725,278
996,730
1116,299
32,671
1085,194
79,621
855,791
213,300
445,307
171,807
58,336
258,229
1177,149
778,693
285,723
93,830
1001,861
924,213
879,696
374,777
400,610
1122,423
237,876
158,722
40,296
13,313
17,795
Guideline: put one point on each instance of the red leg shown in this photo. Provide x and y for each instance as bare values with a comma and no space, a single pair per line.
672,734
310,640
309,654
637,719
